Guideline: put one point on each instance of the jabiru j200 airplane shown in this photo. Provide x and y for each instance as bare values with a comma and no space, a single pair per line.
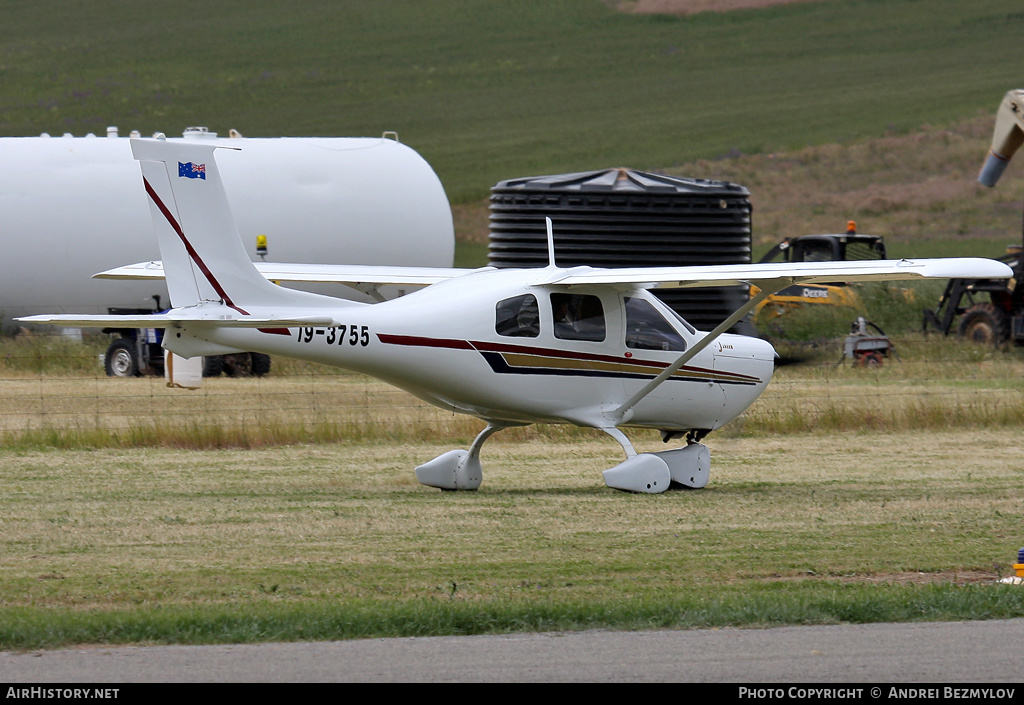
579,345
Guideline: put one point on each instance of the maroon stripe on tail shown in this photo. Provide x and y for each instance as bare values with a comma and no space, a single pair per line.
191,250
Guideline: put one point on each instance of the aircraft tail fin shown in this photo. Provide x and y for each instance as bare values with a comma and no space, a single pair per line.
203,256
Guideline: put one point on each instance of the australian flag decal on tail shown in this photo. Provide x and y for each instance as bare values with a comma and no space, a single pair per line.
192,171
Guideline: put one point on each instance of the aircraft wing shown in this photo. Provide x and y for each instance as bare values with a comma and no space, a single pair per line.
770,278
649,277
789,272
352,275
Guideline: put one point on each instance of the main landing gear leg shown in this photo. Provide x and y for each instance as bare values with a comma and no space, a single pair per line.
656,472
457,469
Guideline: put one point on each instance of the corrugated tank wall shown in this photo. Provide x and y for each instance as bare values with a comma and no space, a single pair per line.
626,218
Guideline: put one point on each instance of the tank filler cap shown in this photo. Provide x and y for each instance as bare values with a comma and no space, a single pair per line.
198,132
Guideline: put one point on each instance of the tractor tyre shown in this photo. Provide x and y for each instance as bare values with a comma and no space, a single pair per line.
238,365
260,364
873,360
213,366
121,360
983,324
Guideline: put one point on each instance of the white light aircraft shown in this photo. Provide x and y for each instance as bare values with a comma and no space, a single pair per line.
582,345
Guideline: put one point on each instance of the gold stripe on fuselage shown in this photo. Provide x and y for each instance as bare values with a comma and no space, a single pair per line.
520,360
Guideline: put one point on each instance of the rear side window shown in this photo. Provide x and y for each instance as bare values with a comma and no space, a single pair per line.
518,317
578,317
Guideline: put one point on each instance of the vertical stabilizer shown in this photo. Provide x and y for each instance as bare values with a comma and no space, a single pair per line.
203,256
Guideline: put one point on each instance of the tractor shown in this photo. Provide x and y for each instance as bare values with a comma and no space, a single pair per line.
991,311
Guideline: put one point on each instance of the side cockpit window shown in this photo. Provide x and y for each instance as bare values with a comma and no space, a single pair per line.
647,329
578,317
518,317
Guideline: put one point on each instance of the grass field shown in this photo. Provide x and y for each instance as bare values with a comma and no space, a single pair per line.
337,540
488,91
286,508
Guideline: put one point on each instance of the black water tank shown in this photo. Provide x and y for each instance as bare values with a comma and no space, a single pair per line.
625,218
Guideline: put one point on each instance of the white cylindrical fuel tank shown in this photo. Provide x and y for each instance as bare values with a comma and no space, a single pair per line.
74,206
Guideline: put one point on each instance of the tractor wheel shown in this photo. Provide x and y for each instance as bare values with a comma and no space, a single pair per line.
260,364
213,366
121,359
983,324
238,365
873,360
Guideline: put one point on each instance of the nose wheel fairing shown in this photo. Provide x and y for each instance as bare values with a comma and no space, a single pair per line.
653,473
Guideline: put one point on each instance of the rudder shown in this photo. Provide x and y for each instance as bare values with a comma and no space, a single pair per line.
203,256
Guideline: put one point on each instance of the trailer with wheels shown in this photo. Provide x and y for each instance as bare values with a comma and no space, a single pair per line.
864,348
138,352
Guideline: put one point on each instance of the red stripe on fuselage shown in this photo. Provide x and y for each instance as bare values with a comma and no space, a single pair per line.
191,250
418,341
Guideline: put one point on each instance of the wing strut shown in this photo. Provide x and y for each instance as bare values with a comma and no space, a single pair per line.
767,289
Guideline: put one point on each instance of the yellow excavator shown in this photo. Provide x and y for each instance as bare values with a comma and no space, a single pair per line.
818,248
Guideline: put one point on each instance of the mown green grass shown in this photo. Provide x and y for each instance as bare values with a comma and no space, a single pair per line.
721,606
843,495
338,540
487,91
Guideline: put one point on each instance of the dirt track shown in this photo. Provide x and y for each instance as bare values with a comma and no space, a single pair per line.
690,7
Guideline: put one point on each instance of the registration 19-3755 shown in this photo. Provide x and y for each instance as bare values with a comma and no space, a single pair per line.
340,335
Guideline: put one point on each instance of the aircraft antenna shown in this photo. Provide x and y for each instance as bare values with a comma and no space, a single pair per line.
551,243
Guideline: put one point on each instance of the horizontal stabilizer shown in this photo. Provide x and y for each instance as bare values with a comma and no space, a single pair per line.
352,275
176,318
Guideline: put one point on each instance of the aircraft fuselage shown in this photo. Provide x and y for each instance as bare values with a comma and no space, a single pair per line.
500,345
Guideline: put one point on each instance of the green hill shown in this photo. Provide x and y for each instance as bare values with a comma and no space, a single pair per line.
489,90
